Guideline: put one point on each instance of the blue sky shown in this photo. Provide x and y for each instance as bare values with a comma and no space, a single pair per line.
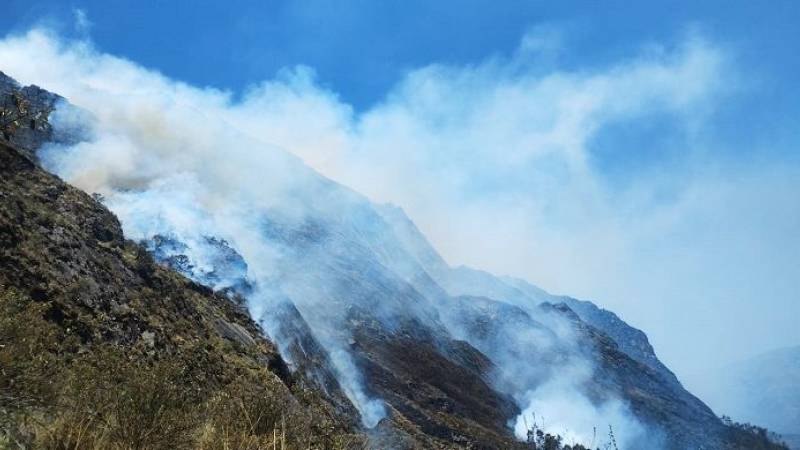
643,155
360,49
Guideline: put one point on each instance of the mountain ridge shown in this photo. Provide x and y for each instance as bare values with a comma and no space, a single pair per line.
358,305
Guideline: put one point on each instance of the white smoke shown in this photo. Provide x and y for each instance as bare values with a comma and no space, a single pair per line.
172,160
189,163
168,164
560,409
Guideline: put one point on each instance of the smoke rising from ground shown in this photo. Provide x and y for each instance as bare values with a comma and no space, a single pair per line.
495,162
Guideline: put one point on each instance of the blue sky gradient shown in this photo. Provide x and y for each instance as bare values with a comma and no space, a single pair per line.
361,49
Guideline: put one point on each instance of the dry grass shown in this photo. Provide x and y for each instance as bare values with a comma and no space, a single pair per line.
56,394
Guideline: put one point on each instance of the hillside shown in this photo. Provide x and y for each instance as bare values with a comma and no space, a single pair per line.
96,338
373,340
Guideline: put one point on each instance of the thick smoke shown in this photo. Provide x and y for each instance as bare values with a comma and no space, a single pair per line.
172,162
165,159
540,362
560,408
217,187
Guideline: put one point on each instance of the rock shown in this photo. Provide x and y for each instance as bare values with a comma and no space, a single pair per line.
149,339
24,113
234,333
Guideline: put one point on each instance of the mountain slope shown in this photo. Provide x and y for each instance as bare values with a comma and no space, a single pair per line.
495,308
86,301
371,323
23,115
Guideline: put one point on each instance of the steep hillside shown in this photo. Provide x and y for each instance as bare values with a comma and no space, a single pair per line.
88,317
494,309
23,115
377,341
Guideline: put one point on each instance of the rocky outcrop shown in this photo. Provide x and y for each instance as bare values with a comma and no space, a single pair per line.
631,341
24,113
